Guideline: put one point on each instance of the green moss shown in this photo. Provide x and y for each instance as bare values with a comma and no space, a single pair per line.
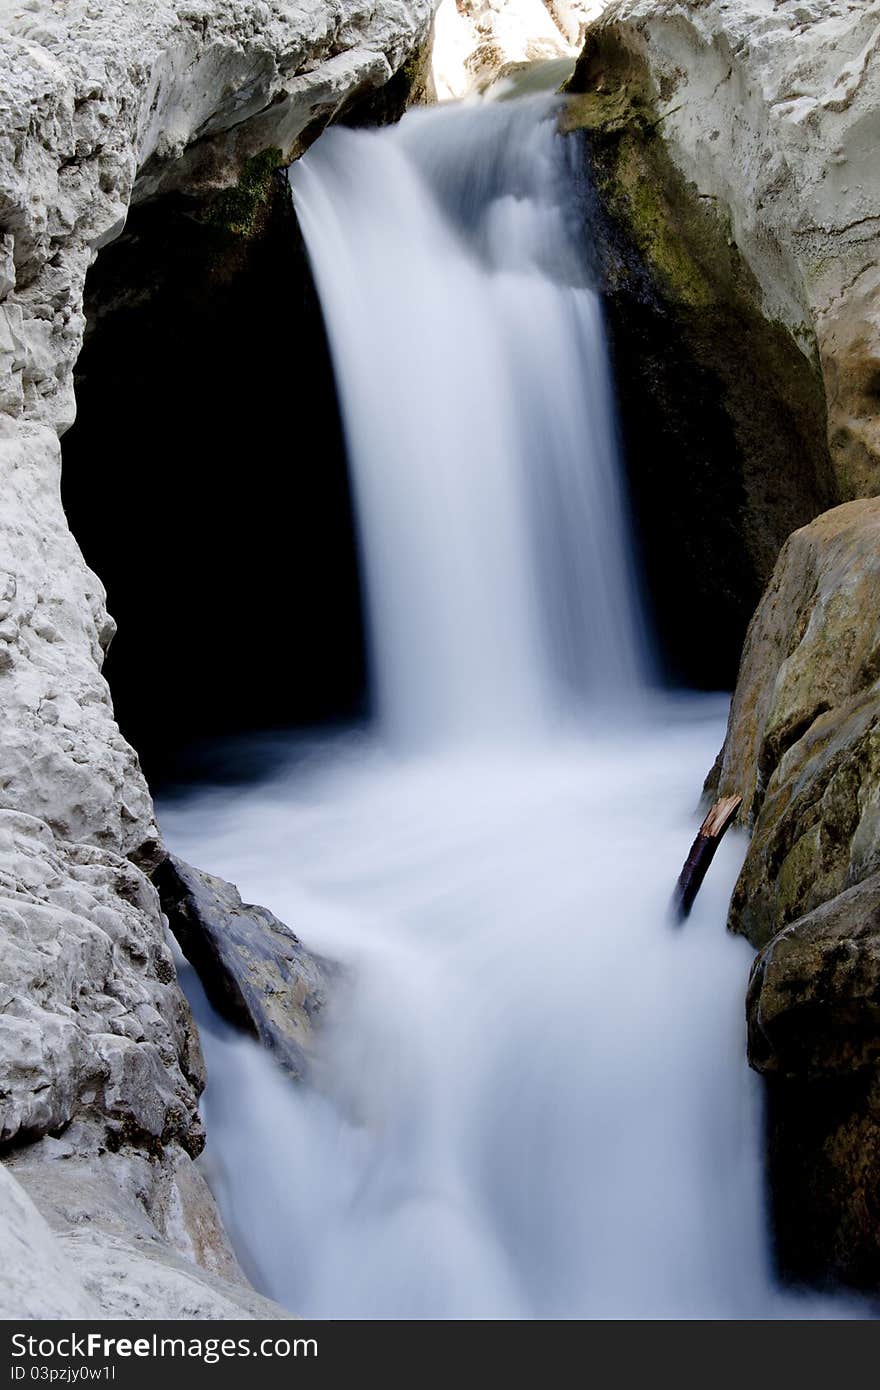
678,258
722,410
682,238
240,211
601,111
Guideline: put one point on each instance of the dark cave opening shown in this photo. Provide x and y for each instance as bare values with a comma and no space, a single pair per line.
205,480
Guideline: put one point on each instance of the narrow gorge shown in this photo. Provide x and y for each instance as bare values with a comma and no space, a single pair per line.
452,407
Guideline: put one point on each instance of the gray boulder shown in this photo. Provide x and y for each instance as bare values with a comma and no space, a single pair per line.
255,971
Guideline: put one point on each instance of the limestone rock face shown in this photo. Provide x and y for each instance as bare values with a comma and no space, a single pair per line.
102,104
95,97
772,112
91,1019
803,742
88,1250
61,756
37,1279
256,972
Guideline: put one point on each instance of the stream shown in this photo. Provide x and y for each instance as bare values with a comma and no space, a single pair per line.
531,1098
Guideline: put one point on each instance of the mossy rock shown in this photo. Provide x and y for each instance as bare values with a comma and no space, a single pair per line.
722,412
241,211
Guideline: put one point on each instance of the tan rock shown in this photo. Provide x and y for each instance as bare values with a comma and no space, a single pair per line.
803,745
803,742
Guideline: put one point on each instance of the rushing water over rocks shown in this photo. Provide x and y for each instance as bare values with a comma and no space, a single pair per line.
531,1098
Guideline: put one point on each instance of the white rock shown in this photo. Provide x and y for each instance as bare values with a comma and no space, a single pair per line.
37,1280
90,94
149,1280
101,102
773,109
474,40
91,1017
61,756
7,264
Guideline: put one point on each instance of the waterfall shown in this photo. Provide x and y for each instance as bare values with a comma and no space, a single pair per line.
531,1096
474,386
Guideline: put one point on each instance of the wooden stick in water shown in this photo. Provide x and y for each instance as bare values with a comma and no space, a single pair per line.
702,853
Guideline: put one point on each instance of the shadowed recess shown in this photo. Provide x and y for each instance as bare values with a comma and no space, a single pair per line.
205,478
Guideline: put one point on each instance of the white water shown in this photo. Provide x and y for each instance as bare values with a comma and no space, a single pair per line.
474,388
531,1098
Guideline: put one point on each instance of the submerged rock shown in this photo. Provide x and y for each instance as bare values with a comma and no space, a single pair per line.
255,971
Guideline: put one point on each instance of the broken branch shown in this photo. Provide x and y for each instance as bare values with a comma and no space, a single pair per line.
702,853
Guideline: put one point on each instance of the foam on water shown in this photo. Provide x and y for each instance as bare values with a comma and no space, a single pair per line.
531,1098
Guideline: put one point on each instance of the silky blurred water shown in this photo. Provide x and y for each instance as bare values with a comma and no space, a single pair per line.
530,1098
473,379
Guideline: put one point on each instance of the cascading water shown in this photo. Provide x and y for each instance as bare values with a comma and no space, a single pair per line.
474,388
531,1097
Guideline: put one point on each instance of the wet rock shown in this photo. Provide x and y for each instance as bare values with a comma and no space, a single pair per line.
722,405
255,971
814,1033
823,1152
814,995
